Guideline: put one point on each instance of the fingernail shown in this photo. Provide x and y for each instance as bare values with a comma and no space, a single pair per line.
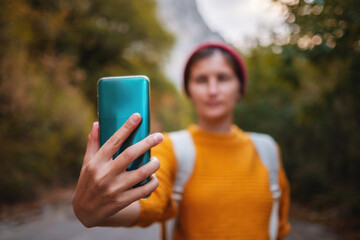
95,125
158,137
154,159
135,117
94,129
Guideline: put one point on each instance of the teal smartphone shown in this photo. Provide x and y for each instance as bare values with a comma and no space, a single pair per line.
118,99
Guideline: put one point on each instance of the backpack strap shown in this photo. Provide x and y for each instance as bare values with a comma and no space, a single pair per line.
184,150
268,153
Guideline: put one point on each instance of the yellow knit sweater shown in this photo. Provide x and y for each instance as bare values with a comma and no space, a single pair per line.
228,195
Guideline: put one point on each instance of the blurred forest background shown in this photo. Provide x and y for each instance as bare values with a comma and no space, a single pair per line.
303,89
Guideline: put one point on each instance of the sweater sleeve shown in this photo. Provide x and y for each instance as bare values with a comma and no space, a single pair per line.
284,203
160,205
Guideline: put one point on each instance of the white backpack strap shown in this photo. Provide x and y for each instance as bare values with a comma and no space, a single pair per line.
267,150
184,150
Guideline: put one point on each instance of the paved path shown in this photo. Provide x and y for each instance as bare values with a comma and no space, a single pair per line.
57,222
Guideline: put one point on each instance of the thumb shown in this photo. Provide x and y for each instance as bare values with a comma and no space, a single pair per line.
92,144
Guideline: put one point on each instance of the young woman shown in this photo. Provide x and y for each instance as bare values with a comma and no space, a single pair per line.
227,195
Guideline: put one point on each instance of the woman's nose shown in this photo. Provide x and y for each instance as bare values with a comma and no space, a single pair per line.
213,86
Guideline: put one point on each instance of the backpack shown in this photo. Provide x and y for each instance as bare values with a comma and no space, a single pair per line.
184,150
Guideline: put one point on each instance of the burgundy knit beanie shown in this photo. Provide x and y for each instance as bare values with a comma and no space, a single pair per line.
243,75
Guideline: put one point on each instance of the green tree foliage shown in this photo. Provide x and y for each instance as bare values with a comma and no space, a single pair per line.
308,97
52,54
328,36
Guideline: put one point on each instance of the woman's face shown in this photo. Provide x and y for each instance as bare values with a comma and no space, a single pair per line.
214,87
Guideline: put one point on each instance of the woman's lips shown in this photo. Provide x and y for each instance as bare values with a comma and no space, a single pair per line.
213,103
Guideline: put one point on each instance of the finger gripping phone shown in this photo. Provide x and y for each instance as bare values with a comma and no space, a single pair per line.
118,99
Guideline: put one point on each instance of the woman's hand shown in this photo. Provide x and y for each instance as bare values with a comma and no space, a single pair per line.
104,187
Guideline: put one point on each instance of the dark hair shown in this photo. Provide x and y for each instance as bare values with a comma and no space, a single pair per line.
207,52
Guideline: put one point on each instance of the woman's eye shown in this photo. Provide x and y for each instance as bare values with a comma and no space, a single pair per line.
201,80
223,77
